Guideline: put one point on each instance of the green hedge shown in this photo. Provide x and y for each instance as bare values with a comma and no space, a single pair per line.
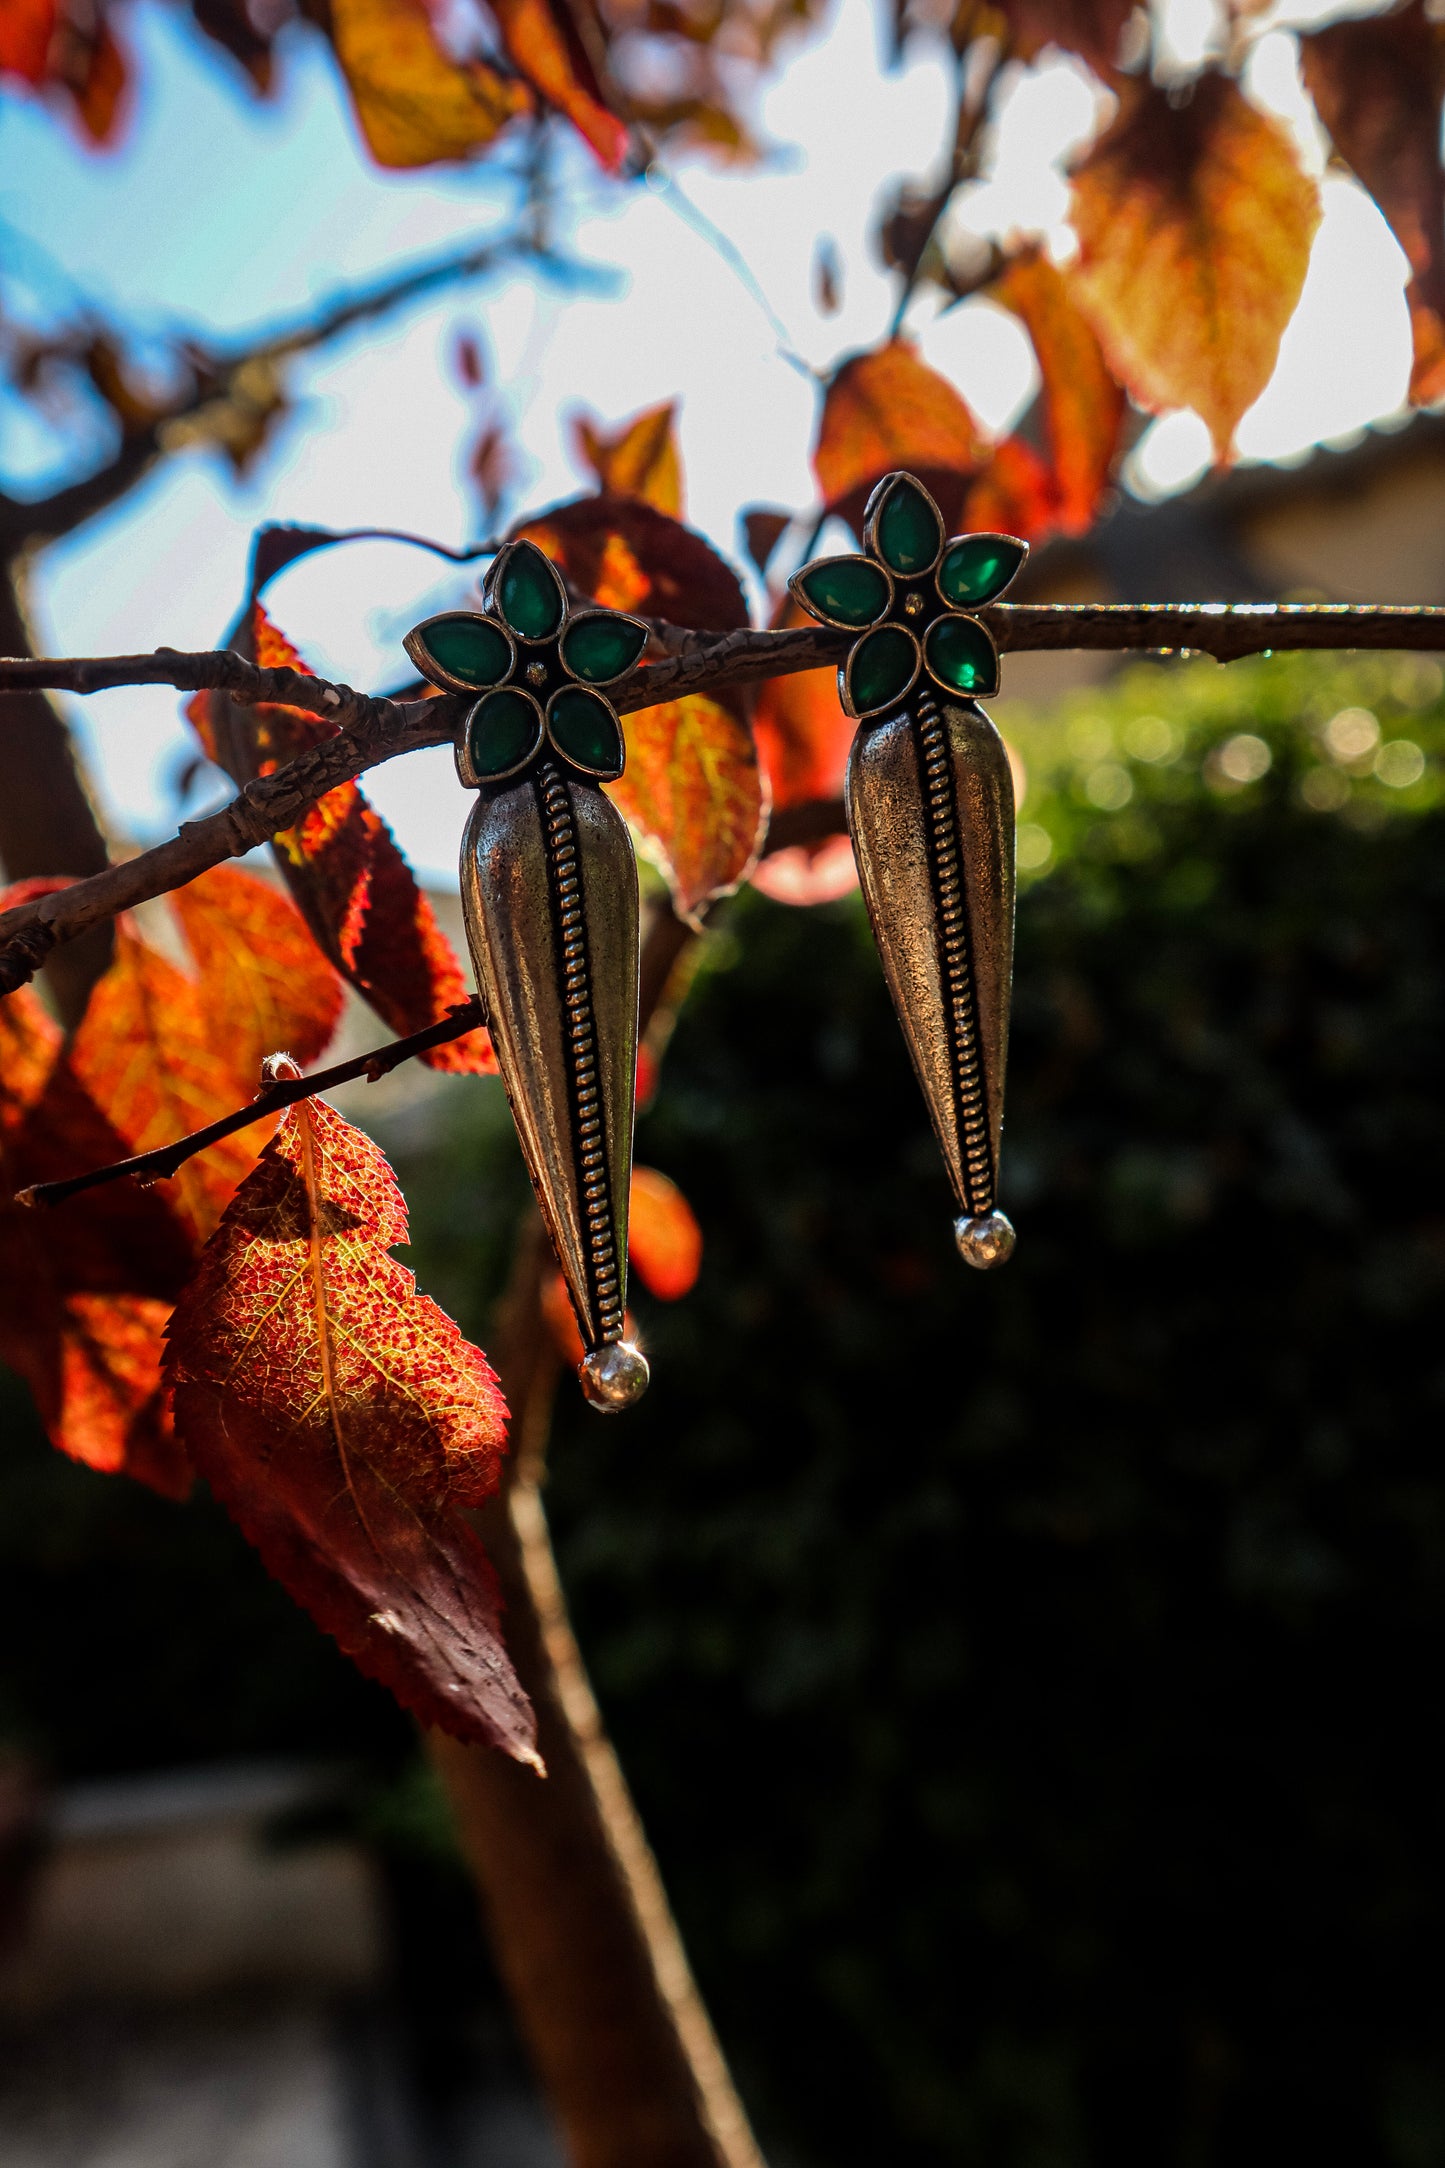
1029,1681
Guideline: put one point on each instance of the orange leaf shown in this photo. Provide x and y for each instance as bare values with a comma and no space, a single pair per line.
1194,225
1083,405
638,460
1378,86
664,1241
154,1055
1427,331
1017,493
343,1421
693,791
544,45
803,735
416,105
264,981
630,556
888,409
352,885
84,1290
26,29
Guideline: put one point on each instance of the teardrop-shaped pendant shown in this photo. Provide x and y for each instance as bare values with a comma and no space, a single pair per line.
550,900
931,814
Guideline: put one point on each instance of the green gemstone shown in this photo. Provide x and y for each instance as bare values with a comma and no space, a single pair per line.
584,727
501,731
978,567
529,592
849,590
883,667
599,646
962,656
909,530
466,647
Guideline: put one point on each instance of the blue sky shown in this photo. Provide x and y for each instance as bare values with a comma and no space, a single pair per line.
224,212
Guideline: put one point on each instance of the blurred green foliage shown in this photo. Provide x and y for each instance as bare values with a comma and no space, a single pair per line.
1029,1682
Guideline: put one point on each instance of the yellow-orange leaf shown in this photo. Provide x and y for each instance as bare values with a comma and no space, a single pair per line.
1194,225
545,47
416,105
888,409
343,1421
664,1240
1083,403
638,460
693,791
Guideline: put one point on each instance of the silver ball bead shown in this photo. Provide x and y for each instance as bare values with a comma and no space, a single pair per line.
985,1242
614,1376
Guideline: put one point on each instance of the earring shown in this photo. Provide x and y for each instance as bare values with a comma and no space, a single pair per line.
931,814
549,894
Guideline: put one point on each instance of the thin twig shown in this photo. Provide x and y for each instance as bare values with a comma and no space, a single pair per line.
375,730
159,1165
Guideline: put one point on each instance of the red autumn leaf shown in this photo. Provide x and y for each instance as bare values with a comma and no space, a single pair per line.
416,105
629,556
1378,86
638,460
491,466
229,24
1083,404
1194,223
344,1423
26,29
808,873
469,361
543,44
85,1290
664,1241
692,786
1090,28
763,529
352,885
888,409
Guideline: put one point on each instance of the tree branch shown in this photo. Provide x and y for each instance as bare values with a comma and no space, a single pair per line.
217,376
374,730
166,1159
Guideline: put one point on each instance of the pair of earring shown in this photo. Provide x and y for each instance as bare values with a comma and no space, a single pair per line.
549,879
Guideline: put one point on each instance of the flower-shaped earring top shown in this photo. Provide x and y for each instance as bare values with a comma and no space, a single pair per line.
538,665
909,599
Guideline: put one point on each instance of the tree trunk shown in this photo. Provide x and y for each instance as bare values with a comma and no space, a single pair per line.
47,822
578,1915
